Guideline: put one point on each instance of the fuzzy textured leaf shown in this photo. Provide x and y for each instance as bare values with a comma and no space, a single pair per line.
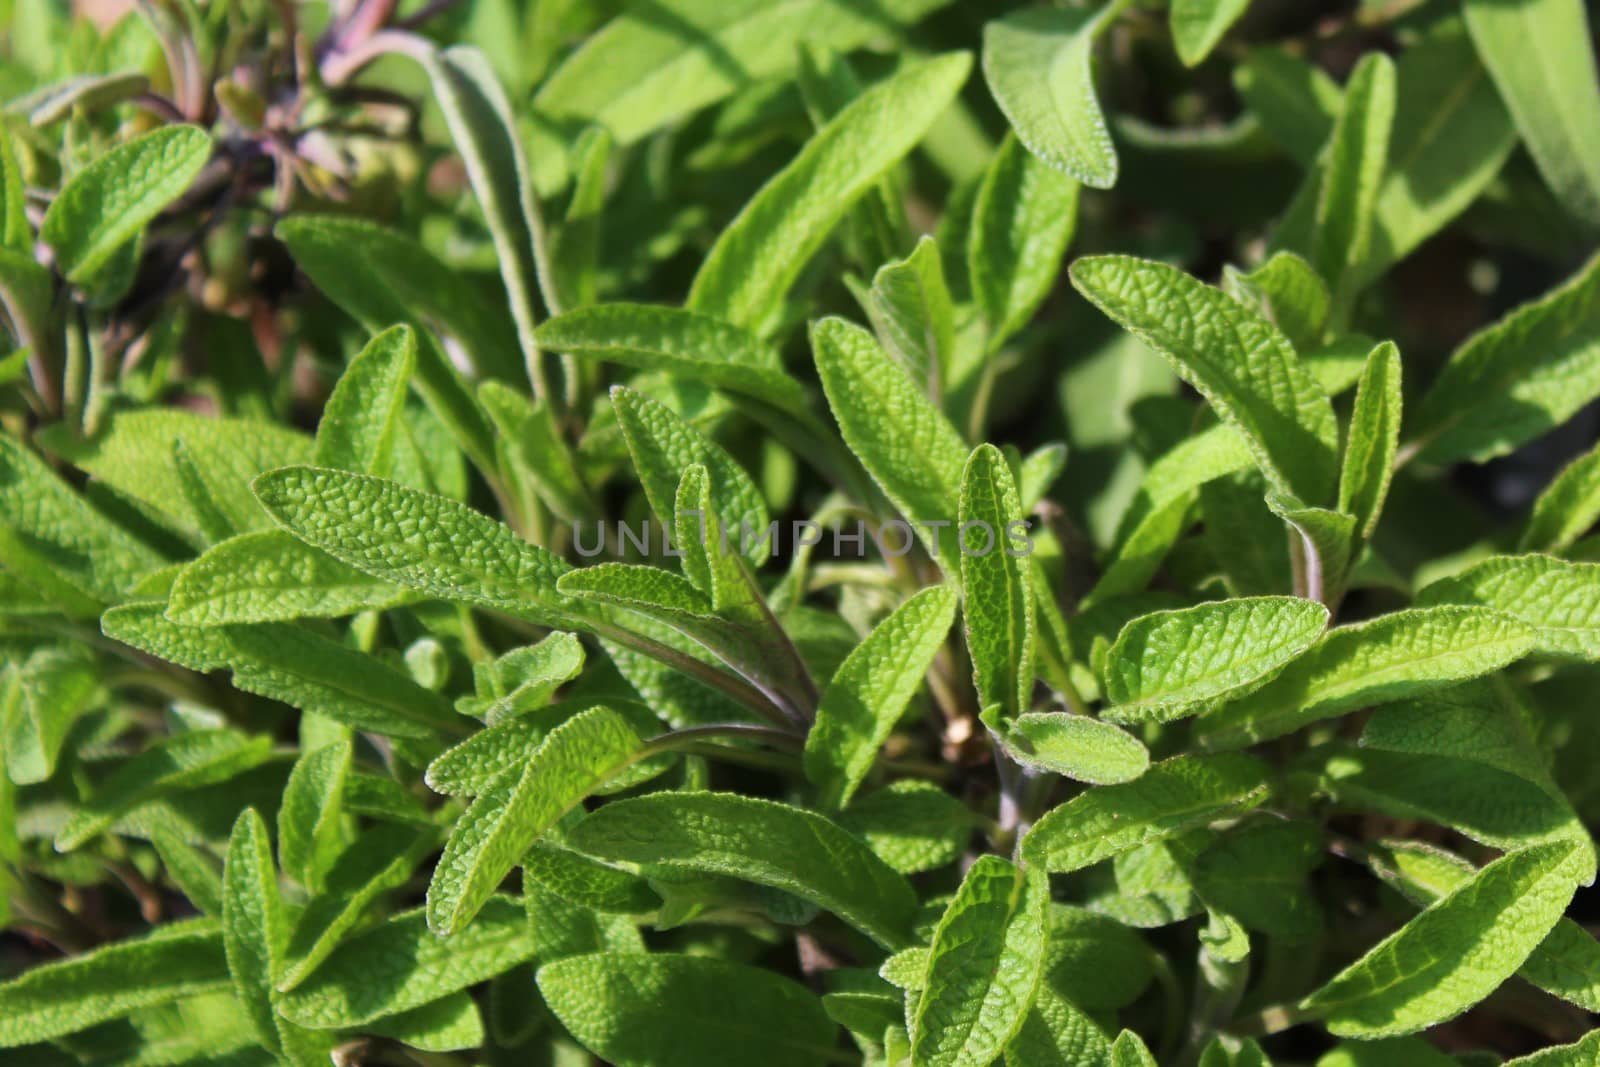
1457,951
1039,66
1170,797
747,273
870,690
1388,658
984,966
1172,663
1240,362
787,848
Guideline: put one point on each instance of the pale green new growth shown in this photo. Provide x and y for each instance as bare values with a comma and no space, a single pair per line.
906,444
663,446
914,315
363,413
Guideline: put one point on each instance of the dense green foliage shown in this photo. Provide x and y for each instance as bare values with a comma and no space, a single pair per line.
687,532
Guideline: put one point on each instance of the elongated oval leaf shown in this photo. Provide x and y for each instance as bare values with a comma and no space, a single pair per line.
291,664
479,116
1171,796
1457,951
1374,437
309,830
748,271
271,576
1567,509
1517,379
77,993
1295,100
1387,658
107,203
787,848
1450,138
1566,963
1560,600
504,822
984,966
254,930
1039,66
904,442
401,964
1169,664
666,1010
1022,222
870,690
663,445
1235,358
1352,173
914,315
997,586
363,413
414,539
381,859
1539,54
1081,748
380,277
